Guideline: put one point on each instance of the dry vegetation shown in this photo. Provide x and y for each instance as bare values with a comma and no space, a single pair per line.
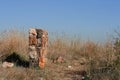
94,60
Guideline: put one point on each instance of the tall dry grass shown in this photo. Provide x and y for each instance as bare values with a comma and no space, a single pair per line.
13,41
100,59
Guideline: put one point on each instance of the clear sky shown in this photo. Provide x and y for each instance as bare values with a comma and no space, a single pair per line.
94,19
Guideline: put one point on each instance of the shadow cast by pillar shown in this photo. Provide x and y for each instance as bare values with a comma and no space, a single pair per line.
17,60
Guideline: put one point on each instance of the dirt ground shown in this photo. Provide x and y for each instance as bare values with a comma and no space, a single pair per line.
53,71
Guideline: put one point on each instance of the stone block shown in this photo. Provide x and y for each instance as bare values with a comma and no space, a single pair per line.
32,31
32,48
7,64
33,55
32,40
41,62
41,32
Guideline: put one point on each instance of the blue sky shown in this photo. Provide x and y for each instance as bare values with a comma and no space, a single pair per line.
90,19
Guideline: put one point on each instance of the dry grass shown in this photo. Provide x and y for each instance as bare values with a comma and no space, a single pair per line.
98,60
13,41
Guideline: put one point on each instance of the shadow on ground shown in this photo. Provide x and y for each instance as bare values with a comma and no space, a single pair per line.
17,60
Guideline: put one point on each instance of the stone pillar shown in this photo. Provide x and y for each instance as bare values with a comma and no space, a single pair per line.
38,41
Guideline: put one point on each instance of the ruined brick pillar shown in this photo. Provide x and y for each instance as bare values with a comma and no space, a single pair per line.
38,41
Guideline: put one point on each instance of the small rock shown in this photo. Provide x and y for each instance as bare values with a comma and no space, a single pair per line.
33,54
70,67
83,61
7,64
58,60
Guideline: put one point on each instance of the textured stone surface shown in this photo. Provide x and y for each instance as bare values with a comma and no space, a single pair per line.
33,54
32,39
38,41
32,31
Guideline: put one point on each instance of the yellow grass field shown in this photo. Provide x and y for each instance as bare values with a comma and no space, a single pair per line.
94,61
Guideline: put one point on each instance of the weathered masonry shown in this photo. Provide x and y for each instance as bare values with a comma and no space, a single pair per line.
38,42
